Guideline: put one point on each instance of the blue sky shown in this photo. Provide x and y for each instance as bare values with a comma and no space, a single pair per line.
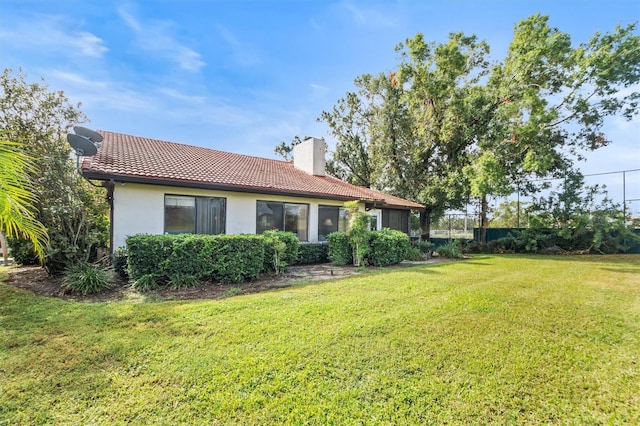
242,76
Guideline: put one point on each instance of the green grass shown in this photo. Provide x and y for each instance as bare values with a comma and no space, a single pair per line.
519,340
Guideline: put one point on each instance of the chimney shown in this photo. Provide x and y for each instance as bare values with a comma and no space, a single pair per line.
308,156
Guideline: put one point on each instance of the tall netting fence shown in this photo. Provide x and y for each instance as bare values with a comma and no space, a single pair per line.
621,189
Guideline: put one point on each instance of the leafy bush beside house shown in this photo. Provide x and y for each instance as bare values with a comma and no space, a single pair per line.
387,247
289,254
312,253
162,259
340,251
380,248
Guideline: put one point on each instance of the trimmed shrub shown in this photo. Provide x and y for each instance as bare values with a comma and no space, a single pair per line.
387,247
339,251
146,254
175,259
290,254
313,253
85,278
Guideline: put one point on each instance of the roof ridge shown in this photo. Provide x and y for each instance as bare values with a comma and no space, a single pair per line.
194,146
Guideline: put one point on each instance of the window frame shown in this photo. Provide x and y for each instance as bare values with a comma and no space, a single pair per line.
197,228
342,220
405,219
283,205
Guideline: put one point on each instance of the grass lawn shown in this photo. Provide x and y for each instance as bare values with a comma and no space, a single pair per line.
511,339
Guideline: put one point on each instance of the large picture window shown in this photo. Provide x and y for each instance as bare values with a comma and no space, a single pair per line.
331,219
194,215
284,217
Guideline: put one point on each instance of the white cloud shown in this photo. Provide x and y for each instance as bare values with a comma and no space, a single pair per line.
54,34
242,53
156,37
369,17
318,87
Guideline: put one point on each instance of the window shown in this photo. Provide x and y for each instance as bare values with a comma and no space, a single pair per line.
331,219
396,219
194,215
373,222
284,217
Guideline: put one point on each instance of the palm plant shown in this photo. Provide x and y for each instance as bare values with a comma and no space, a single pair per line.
17,198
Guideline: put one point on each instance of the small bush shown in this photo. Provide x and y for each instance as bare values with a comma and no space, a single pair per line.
119,263
387,247
414,254
178,281
425,247
339,251
85,278
145,283
288,255
313,253
22,251
450,250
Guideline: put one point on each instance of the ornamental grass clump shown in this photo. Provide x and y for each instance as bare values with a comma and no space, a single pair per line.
86,278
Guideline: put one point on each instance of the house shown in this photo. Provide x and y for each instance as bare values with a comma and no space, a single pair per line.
159,187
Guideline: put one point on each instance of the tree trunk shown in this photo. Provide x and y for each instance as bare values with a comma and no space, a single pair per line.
484,222
425,225
5,248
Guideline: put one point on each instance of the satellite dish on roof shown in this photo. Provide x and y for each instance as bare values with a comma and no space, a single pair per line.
82,145
92,135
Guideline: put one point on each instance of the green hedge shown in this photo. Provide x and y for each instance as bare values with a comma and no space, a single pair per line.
291,252
164,259
340,251
313,253
387,247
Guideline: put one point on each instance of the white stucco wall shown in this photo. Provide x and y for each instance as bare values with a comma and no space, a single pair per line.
139,209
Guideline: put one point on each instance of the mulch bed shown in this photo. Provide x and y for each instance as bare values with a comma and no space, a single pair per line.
36,280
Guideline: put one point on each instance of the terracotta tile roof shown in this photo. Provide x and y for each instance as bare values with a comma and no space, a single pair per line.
132,158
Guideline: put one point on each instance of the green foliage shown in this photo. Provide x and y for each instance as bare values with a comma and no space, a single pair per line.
119,263
413,254
74,213
18,198
448,124
285,150
85,278
358,231
451,250
425,247
339,251
221,258
145,283
178,281
22,251
387,247
313,253
280,250
506,215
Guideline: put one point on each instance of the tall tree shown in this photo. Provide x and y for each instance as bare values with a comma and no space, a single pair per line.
554,98
350,121
17,199
448,125
74,213
419,123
